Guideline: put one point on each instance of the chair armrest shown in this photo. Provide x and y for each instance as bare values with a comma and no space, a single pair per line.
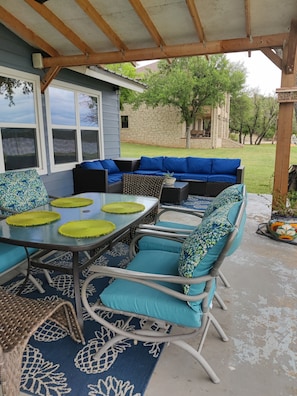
149,279
188,211
89,180
240,174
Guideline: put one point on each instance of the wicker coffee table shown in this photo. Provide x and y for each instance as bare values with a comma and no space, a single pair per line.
175,194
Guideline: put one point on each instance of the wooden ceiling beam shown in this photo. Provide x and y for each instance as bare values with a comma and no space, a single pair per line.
274,57
146,20
48,77
93,14
247,9
214,47
26,34
196,19
56,22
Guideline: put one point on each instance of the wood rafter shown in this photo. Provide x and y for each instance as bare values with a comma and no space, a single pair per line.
247,9
273,56
56,22
101,24
214,47
49,76
196,19
21,30
146,20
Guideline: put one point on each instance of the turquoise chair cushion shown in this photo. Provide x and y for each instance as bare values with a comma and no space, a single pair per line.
230,194
22,190
11,255
133,297
202,248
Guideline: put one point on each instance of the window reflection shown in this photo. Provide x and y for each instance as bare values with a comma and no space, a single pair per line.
19,148
88,110
64,145
90,144
62,106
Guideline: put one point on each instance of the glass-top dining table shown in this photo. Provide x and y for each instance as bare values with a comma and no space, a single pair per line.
48,237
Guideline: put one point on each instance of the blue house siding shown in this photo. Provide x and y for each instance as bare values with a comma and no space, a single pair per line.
16,54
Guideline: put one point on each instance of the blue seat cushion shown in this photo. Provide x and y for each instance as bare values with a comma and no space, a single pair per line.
129,296
202,248
151,163
110,165
175,164
199,165
12,255
225,166
92,165
195,176
115,177
219,178
149,172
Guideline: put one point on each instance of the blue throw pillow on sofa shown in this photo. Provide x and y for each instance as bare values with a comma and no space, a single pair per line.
151,163
175,164
110,165
225,166
92,165
199,165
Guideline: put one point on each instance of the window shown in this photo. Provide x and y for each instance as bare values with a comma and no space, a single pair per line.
75,131
20,138
125,121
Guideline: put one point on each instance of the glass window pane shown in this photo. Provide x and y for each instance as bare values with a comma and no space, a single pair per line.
90,144
19,148
62,106
88,110
64,145
16,101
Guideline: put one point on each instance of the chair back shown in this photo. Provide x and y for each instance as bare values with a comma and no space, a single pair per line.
21,191
149,186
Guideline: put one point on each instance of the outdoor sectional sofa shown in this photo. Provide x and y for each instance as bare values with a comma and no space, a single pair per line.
206,176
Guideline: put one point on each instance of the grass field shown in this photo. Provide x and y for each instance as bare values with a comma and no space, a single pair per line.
258,160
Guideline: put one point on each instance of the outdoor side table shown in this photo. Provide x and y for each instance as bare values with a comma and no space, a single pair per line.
175,194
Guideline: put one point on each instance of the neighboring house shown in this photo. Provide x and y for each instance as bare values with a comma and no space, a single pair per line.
76,118
162,125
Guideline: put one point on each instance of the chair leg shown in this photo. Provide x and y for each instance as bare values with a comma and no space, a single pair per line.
224,279
220,301
197,355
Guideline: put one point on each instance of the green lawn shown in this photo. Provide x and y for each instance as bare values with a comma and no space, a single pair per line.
258,160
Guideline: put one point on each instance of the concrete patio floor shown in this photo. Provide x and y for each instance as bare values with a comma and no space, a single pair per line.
260,358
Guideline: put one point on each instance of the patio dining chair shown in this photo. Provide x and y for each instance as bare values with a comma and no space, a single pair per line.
166,289
146,185
20,317
20,191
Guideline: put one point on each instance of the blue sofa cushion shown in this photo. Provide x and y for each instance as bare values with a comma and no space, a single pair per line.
199,165
225,166
151,163
222,178
110,165
230,194
92,165
115,177
175,164
194,176
129,296
202,248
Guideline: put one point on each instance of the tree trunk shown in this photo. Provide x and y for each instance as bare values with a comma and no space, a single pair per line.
188,136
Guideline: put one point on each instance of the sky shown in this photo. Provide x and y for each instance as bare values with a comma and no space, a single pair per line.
261,71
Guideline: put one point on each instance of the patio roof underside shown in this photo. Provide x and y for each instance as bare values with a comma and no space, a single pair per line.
71,33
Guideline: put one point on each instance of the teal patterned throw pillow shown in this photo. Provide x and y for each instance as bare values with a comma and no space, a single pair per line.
230,194
22,190
202,248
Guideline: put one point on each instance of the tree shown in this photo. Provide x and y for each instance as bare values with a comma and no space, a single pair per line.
190,84
127,70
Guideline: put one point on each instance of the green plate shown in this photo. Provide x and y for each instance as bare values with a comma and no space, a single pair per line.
29,219
71,202
86,228
123,207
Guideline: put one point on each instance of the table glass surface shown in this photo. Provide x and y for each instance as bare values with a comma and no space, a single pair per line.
47,236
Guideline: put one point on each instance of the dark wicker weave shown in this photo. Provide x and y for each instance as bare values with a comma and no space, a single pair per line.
149,186
19,318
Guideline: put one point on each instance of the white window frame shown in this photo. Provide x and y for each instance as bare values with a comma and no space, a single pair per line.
40,138
76,89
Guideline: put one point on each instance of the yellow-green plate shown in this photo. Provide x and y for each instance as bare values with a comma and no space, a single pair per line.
86,228
71,202
123,207
29,219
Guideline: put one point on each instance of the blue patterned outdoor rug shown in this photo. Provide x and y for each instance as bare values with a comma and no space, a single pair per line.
197,202
55,365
